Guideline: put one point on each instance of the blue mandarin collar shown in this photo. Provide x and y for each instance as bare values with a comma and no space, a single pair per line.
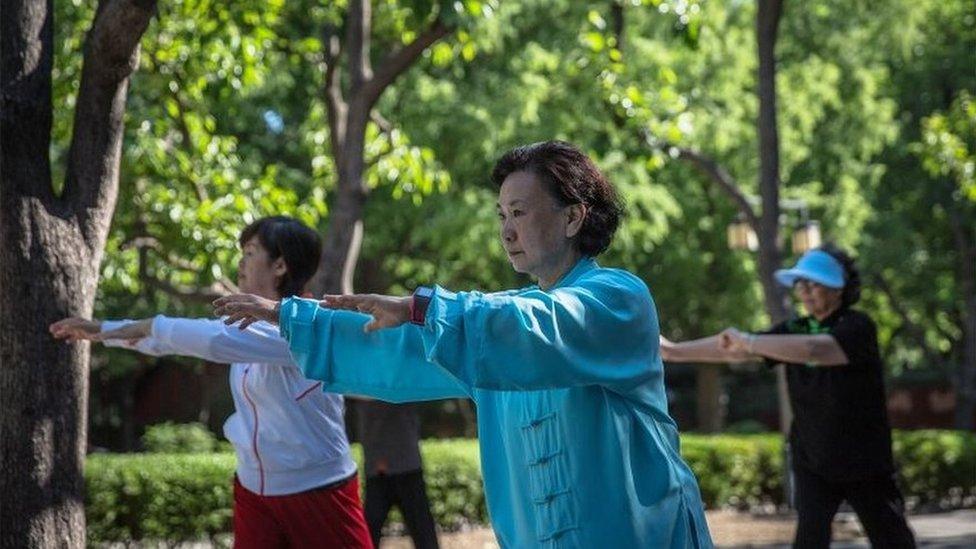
583,266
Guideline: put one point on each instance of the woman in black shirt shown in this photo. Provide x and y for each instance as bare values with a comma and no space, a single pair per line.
840,436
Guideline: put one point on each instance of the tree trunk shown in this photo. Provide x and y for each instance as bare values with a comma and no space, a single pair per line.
708,382
775,297
348,117
50,249
343,237
965,378
966,384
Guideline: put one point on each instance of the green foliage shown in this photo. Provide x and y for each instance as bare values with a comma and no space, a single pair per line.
158,496
948,146
736,470
185,497
452,469
177,438
226,123
909,243
936,465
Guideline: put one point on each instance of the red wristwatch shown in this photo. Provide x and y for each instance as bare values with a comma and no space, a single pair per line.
419,303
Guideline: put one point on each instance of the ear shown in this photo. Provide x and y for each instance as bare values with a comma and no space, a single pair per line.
278,267
576,214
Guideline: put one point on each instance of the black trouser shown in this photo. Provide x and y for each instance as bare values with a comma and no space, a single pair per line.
408,493
877,502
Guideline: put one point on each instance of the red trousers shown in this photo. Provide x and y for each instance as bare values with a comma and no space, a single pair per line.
328,518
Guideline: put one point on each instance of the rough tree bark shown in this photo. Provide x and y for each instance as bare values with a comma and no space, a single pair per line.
50,249
349,113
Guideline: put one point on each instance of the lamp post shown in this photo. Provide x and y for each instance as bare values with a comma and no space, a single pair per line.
742,236
806,237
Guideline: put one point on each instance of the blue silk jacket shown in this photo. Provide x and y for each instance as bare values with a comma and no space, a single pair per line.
577,447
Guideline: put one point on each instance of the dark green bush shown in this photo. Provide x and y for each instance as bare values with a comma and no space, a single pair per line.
179,438
188,496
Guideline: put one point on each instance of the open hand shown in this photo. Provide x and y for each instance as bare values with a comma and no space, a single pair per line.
246,309
75,329
387,311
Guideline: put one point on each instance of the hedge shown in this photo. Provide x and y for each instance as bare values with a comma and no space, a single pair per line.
188,496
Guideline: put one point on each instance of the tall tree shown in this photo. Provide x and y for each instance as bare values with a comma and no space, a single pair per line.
948,153
350,110
51,245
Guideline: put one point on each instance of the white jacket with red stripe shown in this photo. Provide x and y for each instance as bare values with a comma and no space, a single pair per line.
289,435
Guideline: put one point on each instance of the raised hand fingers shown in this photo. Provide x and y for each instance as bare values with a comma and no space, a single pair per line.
230,304
238,316
224,300
345,302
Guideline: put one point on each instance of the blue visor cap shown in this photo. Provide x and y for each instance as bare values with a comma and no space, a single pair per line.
817,266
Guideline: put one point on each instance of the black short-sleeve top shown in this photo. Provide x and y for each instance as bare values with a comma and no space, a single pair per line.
840,424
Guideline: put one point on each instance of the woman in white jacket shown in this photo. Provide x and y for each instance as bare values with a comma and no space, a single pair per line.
296,484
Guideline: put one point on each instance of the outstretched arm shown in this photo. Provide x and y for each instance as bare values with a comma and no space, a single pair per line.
704,350
332,346
208,339
814,350
602,331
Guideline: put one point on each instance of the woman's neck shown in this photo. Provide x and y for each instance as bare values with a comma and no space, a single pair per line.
559,269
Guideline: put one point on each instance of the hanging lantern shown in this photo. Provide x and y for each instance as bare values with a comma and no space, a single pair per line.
806,237
741,236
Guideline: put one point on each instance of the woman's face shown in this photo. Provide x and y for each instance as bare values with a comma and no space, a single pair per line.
536,231
818,300
257,273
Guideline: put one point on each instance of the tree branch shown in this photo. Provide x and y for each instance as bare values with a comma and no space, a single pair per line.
711,169
911,328
335,105
146,243
358,34
184,128
199,295
400,60
111,54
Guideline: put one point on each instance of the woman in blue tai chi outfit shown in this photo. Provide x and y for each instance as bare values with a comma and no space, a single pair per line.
577,446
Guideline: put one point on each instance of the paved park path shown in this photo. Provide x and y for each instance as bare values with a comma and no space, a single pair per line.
952,530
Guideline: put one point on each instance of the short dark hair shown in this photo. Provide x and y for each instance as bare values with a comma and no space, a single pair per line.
852,277
571,178
297,243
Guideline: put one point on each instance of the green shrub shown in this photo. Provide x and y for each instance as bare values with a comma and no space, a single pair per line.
179,438
188,496
158,496
452,469
736,470
936,467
